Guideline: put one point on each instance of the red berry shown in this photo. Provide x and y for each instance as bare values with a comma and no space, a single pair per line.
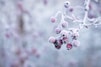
57,30
69,46
53,19
65,39
58,42
76,43
52,39
57,46
64,24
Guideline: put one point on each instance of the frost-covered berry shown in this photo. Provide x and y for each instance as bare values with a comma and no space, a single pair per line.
58,42
69,46
75,35
57,46
57,30
52,39
64,24
65,39
53,19
76,43
66,4
64,33
75,32
71,9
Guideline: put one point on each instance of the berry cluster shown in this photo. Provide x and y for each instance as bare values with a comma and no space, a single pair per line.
69,36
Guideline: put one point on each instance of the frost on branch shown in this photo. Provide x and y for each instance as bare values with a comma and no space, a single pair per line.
67,34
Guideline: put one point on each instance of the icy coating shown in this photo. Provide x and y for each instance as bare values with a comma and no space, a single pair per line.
30,30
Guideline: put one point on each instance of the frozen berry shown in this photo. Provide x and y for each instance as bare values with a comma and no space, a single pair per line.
66,4
53,19
57,30
64,24
71,9
76,43
58,42
76,34
57,46
69,46
64,33
52,39
65,39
